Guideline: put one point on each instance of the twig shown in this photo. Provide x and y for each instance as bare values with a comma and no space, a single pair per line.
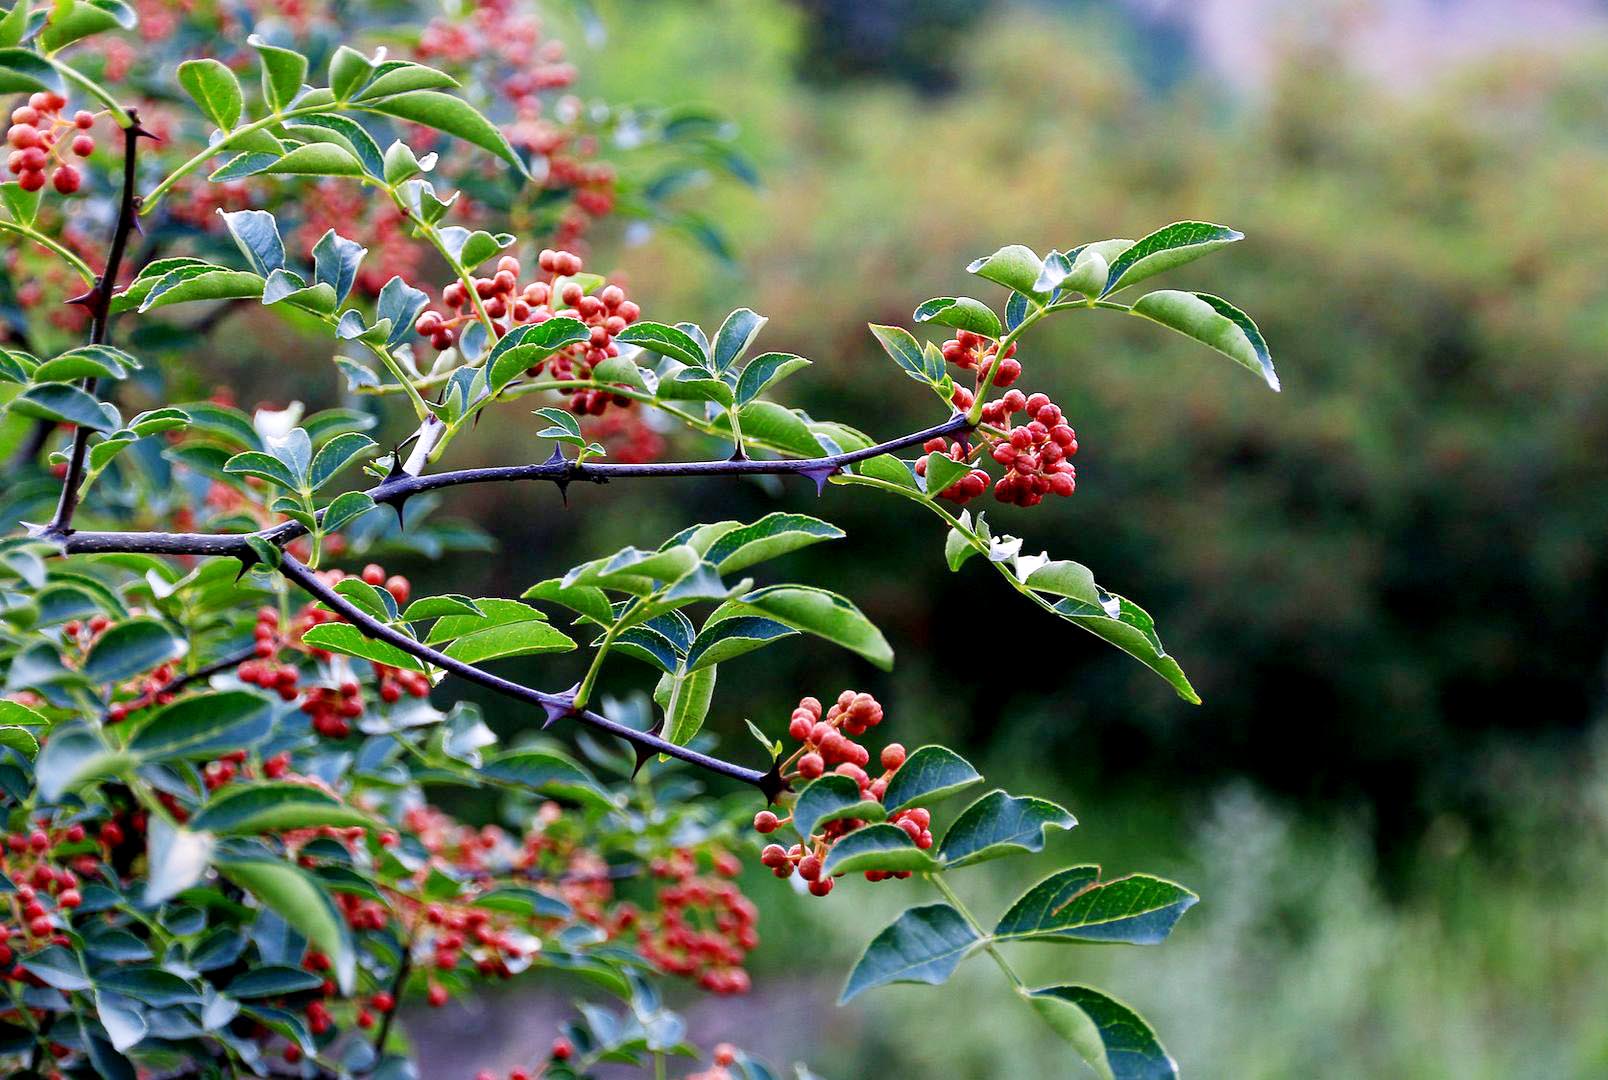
100,306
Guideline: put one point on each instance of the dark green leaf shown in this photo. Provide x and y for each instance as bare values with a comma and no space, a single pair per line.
1111,1037
771,536
736,334
272,980
1075,905
131,648
1000,824
818,612
961,312
204,725
271,806
923,945
884,847
832,798
348,639
1213,322
729,638
665,341
297,897
449,114
930,772
1167,247
64,404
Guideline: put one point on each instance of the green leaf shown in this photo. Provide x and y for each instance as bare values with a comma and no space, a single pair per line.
131,648
204,725
345,507
264,467
930,772
336,455
349,70
907,352
56,966
1167,247
215,89
635,571
734,337
524,346
585,600
86,362
665,341
71,756
297,897
272,980
885,847
1075,905
512,639
434,607
14,25
685,699
348,639
764,371
283,71
771,536
273,807
819,612
489,612
1110,1036
942,471
64,404
20,739
1130,628
1000,824
729,638
151,985
1213,322
317,159
73,20
23,205
832,798
23,71
961,312
1062,578
1015,267
256,234
924,945
123,1020
776,425
399,77
450,114
199,283
545,771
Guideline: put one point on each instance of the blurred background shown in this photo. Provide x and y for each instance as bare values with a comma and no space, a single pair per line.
1389,583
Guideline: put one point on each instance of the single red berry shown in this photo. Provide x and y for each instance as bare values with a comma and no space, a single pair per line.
67,180
84,145
766,822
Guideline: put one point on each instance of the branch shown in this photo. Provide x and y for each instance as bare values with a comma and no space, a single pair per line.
557,470
555,706
100,305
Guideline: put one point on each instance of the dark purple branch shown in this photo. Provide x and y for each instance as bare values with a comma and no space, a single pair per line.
100,308
554,706
403,487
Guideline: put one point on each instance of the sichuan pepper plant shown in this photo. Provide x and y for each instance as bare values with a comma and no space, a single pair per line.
220,757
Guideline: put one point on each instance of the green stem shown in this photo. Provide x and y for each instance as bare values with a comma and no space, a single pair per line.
988,942
79,265
201,158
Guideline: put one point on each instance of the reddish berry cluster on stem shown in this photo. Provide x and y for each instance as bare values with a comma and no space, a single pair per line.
38,136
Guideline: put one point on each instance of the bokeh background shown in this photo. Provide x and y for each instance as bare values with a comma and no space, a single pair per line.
1389,583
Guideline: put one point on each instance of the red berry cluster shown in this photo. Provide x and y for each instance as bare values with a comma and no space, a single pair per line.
551,295
704,927
974,352
149,689
38,861
1036,453
827,740
37,136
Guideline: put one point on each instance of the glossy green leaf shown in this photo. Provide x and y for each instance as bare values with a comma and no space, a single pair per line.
256,234
545,771
1075,905
885,847
297,897
214,89
930,772
907,352
685,699
585,600
348,639
274,806
1110,1036
176,858
961,312
203,726
819,612
1000,824
666,341
64,404
272,980
317,159
336,455
1213,322
771,536
1130,628
450,114
71,756
1167,247
832,798
283,71
734,337
132,648
924,945
510,639
1014,266
762,372
525,346
264,467
346,507
729,638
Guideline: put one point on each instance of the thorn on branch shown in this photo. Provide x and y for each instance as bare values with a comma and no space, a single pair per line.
644,753
820,476
773,784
